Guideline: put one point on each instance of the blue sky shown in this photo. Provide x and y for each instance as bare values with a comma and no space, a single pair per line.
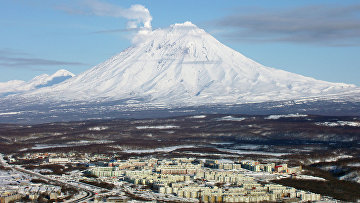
320,39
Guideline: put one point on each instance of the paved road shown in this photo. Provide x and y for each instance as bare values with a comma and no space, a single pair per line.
89,194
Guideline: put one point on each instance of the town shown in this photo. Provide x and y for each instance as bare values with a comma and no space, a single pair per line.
75,177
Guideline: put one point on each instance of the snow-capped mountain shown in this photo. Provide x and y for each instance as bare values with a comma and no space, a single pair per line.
44,80
179,70
185,65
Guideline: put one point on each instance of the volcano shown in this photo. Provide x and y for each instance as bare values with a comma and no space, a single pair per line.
181,66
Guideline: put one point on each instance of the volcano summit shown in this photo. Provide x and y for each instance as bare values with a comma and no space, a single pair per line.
182,66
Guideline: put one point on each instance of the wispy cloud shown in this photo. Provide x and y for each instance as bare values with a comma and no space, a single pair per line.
321,24
137,14
8,51
10,58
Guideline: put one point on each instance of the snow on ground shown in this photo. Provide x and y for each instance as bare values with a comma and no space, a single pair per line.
339,123
198,116
98,128
42,170
331,159
354,164
352,176
249,146
46,146
212,154
10,113
275,160
157,127
225,161
86,142
344,156
274,117
251,152
230,118
13,178
222,143
307,177
269,176
163,149
71,144
329,168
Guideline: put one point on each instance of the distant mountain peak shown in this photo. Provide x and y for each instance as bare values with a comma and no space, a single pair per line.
62,72
43,80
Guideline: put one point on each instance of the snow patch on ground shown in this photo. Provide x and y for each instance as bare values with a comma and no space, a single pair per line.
10,113
222,143
230,118
352,176
42,170
331,159
157,127
71,144
98,128
307,177
251,152
163,149
249,146
86,142
198,116
354,164
47,146
211,154
339,123
274,117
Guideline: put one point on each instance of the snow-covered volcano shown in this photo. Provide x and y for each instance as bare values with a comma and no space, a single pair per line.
184,65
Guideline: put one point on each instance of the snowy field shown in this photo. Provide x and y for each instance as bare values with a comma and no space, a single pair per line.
157,127
251,152
162,149
71,144
274,117
339,123
230,118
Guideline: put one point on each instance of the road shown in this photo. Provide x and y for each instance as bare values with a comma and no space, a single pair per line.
86,198
89,194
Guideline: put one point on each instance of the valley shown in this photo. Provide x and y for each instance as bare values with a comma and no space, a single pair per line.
327,147
178,113
297,138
